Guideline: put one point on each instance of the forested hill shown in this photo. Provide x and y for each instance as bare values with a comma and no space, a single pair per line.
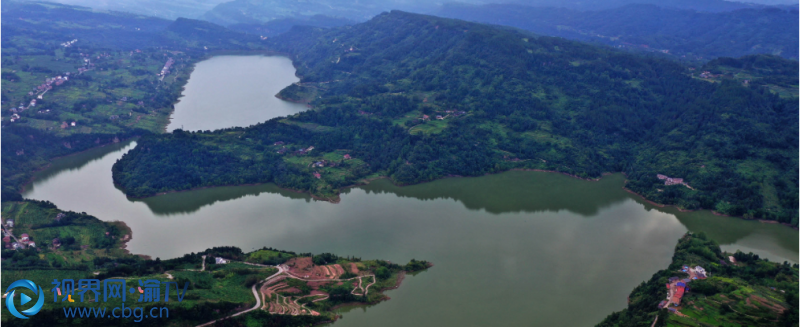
679,32
419,97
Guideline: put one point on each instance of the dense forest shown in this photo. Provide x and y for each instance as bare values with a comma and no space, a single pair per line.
742,290
418,97
683,33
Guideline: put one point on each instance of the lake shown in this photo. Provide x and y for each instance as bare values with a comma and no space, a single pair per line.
517,248
227,91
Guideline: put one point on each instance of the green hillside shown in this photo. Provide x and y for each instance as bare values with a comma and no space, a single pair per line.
495,99
745,291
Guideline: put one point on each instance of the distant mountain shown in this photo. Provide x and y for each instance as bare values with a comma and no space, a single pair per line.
699,5
698,35
262,11
280,25
209,36
170,9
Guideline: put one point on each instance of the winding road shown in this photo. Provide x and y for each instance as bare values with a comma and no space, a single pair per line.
255,293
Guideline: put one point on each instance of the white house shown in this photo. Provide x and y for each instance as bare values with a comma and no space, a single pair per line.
221,261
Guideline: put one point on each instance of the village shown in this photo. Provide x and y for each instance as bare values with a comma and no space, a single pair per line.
448,114
672,180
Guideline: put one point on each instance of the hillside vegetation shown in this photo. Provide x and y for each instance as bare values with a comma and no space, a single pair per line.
418,97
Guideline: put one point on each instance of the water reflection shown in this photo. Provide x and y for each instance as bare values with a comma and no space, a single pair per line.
192,201
515,191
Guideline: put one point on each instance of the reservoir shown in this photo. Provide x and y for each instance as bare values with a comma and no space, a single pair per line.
530,248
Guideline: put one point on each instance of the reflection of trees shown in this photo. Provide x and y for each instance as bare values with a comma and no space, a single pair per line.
516,191
80,160
191,201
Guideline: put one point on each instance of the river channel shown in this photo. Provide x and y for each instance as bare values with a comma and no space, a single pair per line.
517,248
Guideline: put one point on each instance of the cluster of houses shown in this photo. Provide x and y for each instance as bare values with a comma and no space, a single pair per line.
64,124
304,151
24,240
454,113
678,287
707,74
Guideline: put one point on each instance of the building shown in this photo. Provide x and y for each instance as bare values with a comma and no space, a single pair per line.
220,261
10,223
701,273
317,175
347,157
56,242
24,237
678,295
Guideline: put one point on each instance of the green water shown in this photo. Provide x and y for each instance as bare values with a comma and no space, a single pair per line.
518,248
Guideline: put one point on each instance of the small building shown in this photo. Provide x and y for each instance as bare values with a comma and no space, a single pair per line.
32,244
73,124
220,261
347,157
10,223
439,117
16,246
317,175
279,143
24,237
56,242
59,216
7,239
